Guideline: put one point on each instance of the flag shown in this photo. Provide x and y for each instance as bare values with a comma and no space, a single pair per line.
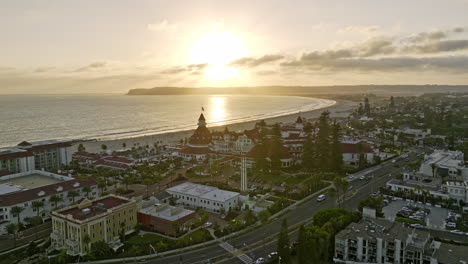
203,109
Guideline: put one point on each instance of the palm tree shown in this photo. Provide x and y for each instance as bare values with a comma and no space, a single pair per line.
87,190
55,199
16,212
418,192
12,229
72,194
126,180
342,185
147,182
37,205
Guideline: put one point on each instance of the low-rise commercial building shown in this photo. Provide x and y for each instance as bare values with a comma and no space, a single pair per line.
164,218
105,219
206,197
449,164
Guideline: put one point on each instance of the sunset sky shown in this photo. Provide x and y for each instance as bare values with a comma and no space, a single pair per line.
112,46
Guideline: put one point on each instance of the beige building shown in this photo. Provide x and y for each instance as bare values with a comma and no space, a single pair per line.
103,219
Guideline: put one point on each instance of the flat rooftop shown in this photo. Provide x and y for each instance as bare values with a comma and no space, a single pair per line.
167,212
94,208
30,181
203,191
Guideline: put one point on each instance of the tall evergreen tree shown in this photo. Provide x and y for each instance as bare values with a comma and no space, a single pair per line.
336,155
366,106
392,103
323,142
283,243
302,247
308,156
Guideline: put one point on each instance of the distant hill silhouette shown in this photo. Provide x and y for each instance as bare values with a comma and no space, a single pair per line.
302,90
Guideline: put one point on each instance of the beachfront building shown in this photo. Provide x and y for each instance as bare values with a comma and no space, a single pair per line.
198,144
15,160
33,191
205,197
293,138
41,155
382,241
103,219
164,218
445,163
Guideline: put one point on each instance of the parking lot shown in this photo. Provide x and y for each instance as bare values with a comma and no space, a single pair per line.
434,220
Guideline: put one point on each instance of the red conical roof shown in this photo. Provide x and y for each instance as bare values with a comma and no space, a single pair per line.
299,120
201,118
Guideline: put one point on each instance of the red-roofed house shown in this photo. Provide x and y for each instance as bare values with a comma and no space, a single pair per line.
352,150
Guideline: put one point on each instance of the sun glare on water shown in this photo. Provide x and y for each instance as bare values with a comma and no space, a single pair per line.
218,48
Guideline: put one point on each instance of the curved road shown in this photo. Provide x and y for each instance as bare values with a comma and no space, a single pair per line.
300,214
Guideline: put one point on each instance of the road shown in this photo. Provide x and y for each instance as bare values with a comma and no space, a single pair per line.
301,214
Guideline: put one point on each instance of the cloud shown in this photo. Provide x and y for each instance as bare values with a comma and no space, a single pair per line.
438,47
93,66
44,69
191,68
359,29
251,62
428,36
162,25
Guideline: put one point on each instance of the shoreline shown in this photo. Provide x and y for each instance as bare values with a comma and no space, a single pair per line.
340,109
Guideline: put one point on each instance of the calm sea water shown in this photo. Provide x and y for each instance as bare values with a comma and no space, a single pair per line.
27,117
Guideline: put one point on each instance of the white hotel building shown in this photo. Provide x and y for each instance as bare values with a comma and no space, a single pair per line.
22,189
206,197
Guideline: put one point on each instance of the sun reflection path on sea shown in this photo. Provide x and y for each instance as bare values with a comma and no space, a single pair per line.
217,110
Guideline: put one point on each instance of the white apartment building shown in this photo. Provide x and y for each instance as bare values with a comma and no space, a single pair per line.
15,160
206,197
41,155
457,190
23,189
381,241
448,163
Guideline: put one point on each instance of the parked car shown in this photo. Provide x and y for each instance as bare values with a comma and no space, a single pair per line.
450,224
273,255
207,224
458,232
417,226
321,198
260,261
362,177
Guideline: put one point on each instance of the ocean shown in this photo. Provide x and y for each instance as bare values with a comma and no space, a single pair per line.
110,116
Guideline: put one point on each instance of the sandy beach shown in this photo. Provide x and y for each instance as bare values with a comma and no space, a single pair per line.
339,110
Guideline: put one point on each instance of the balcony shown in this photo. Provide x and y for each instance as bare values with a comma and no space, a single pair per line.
56,235
72,243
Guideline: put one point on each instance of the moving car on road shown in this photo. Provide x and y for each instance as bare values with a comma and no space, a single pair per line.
321,198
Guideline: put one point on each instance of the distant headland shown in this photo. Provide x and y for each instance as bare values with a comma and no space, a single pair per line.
302,90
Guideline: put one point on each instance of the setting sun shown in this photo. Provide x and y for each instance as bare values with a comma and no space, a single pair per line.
218,48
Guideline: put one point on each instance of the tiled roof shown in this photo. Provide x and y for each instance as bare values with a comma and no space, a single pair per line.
353,148
99,206
32,194
13,154
201,136
195,150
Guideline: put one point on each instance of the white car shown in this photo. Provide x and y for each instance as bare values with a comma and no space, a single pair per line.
362,177
321,198
458,232
260,261
273,255
451,224
207,224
